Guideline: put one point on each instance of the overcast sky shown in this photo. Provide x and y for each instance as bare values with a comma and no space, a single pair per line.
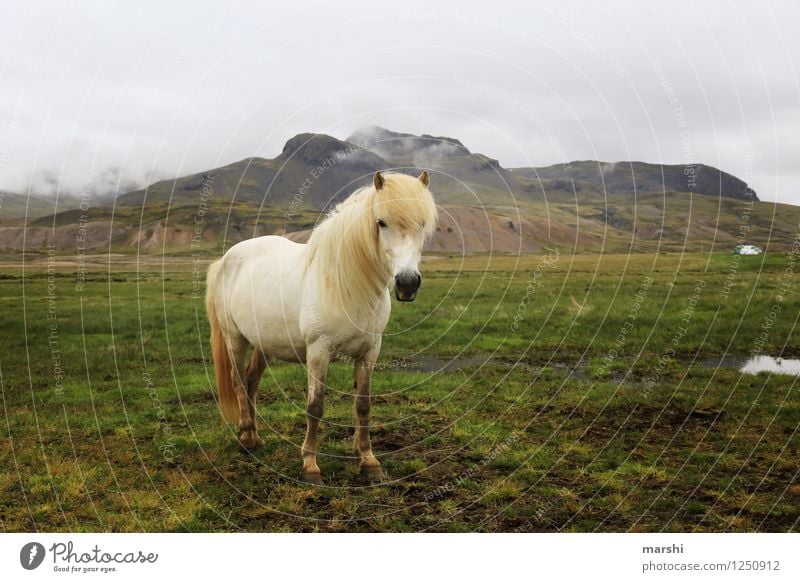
117,93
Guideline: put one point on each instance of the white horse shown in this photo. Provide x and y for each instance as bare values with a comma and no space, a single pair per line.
318,301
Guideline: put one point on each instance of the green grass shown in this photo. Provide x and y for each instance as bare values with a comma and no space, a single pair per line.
569,425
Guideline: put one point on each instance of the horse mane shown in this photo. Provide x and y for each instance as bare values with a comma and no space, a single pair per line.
344,250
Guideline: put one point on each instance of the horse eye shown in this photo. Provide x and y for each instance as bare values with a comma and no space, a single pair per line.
381,223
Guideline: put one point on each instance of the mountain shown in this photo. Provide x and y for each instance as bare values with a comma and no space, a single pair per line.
640,177
406,148
582,205
316,171
582,178
313,171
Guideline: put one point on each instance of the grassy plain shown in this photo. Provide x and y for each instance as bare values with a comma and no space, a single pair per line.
535,393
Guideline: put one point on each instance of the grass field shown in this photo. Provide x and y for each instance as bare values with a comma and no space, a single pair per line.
579,393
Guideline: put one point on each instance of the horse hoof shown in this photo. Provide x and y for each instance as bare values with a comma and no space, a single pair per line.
312,479
373,474
249,440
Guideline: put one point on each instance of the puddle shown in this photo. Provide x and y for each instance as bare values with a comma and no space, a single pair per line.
769,364
725,362
431,364
756,365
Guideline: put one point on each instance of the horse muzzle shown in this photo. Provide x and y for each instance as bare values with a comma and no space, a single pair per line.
406,285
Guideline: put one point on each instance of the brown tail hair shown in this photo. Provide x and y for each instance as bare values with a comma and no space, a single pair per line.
228,404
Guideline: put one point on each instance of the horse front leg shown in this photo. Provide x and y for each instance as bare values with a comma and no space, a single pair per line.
317,361
370,466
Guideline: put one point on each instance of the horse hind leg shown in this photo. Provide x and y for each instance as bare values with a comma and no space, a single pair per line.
248,438
258,363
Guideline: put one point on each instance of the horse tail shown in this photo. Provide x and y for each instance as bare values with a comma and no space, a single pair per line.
228,404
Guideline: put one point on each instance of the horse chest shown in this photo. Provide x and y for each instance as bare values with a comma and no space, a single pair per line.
344,337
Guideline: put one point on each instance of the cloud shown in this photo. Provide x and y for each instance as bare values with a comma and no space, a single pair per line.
117,94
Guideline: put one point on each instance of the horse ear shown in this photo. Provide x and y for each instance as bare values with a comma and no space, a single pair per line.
424,177
378,181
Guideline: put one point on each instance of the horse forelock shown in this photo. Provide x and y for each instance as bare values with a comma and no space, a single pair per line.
406,203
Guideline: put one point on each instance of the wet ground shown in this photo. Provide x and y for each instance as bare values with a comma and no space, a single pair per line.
752,365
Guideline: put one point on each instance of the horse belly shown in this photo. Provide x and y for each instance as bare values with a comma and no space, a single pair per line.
277,333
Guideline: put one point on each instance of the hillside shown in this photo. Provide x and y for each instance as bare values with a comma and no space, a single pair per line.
20,206
585,205
639,177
